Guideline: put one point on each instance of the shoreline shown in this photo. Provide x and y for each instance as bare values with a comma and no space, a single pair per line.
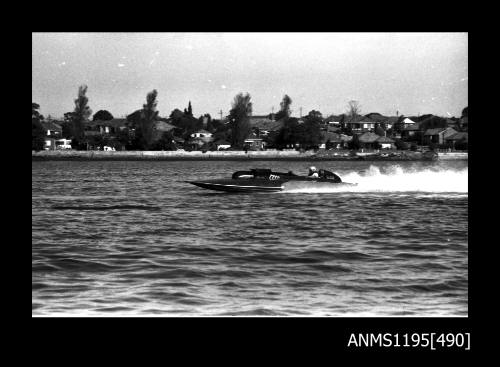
60,155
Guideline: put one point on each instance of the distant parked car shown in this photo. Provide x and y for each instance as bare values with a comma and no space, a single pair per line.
63,144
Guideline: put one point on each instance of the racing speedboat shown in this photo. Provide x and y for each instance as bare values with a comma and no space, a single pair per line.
265,180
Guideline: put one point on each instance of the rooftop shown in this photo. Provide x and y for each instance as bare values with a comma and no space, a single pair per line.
368,137
411,127
385,140
435,131
331,137
163,126
203,131
49,125
112,123
459,136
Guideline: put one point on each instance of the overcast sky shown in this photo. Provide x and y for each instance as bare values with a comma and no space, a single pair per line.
413,73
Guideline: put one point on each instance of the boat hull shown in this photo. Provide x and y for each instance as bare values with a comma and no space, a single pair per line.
240,185
258,185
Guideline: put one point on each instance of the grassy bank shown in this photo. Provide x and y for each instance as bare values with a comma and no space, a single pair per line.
331,155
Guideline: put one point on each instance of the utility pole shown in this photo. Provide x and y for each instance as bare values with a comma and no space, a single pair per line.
300,112
220,113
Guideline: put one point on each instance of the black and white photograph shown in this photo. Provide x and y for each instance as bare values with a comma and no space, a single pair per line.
250,174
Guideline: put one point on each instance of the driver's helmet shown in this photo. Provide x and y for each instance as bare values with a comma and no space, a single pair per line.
312,169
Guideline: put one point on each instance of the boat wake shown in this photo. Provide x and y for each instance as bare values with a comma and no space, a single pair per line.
392,180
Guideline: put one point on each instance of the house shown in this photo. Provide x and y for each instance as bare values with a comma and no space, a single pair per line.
260,120
330,140
453,122
253,142
408,121
200,138
391,121
461,138
464,123
103,127
334,120
275,126
62,144
332,129
201,134
410,130
438,135
361,123
385,142
179,142
222,144
198,142
161,127
368,140
345,139
50,143
377,117
367,124
52,129
263,125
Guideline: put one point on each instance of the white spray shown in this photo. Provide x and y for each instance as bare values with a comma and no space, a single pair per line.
393,179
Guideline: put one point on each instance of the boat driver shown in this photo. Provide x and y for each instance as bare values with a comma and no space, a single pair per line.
313,172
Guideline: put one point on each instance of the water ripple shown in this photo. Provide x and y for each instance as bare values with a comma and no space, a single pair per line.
130,238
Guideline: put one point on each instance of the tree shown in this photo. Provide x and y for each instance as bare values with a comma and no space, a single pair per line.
353,109
37,130
222,134
314,116
206,118
102,115
354,143
345,128
238,119
186,124
149,115
95,142
123,139
218,125
379,130
176,115
134,119
165,142
287,135
38,133
464,119
307,135
433,122
34,112
79,116
401,145
310,134
67,125
465,112
284,111
188,111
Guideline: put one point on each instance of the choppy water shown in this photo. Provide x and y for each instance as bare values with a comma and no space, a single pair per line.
130,238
